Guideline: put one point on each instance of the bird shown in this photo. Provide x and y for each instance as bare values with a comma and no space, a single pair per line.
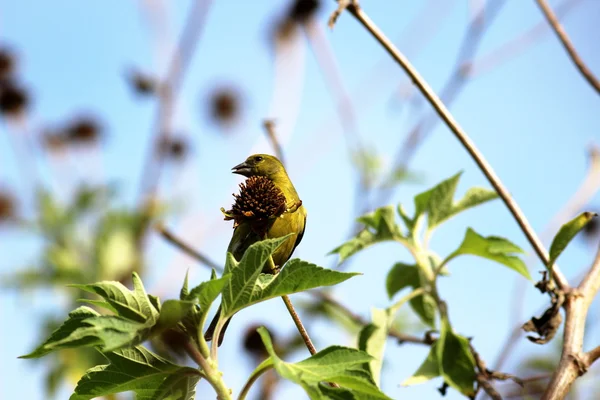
294,221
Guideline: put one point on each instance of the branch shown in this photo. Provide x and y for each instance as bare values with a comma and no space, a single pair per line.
167,96
584,193
566,42
592,355
394,333
269,126
573,363
187,249
519,44
461,135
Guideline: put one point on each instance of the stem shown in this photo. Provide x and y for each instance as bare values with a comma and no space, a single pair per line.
187,249
269,126
214,377
411,295
401,337
573,362
290,307
214,344
461,135
253,378
566,42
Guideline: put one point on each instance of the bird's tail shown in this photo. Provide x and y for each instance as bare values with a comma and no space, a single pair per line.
208,335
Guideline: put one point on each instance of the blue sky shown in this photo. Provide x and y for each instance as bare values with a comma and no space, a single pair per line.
531,116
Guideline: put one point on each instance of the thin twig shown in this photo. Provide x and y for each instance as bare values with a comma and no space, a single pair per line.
592,355
174,240
519,44
269,126
168,92
455,84
566,42
573,363
303,332
394,333
464,139
582,196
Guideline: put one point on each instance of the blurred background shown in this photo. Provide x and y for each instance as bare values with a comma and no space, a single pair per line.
116,115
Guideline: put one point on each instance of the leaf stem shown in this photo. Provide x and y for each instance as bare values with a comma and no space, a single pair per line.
354,9
214,377
261,369
415,293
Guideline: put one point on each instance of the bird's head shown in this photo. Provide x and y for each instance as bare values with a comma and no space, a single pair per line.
259,165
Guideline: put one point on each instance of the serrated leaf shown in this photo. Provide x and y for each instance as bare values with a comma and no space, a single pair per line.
438,202
566,233
296,276
372,339
207,292
331,393
138,370
380,226
493,248
73,322
342,365
133,305
428,370
457,362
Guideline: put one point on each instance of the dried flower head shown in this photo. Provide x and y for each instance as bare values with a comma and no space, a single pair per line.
224,105
254,344
13,98
53,141
302,10
141,83
258,203
7,207
83,130
7,63
174,148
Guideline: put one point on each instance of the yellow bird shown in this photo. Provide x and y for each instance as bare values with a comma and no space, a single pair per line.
289,222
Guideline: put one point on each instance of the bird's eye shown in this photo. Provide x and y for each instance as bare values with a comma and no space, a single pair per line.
258,158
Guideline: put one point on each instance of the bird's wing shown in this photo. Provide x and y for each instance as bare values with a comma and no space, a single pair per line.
300,235
242,238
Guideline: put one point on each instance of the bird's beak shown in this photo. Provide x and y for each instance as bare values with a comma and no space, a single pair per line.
242,169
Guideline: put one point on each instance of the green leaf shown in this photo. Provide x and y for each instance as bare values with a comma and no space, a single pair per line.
330,393
297,276
171,313
75,321
439,205
404,275
183,293
134,305
137,316
342,365
207,292
380,226
372,339
425,307
429,369
457,361
493,248
401,276
566,233
138,370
